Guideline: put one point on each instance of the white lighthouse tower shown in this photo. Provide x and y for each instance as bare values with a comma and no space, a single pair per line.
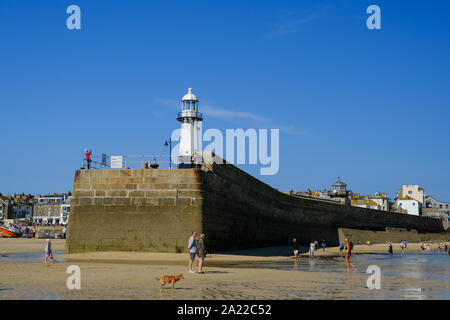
189,118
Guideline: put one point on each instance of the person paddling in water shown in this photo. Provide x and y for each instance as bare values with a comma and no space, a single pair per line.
348,253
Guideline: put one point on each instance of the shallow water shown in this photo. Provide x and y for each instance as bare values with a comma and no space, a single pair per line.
403,276
29,256
417,270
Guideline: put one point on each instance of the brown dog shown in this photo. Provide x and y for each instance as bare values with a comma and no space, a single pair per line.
169,279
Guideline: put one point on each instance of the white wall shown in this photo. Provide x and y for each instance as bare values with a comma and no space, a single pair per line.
412,206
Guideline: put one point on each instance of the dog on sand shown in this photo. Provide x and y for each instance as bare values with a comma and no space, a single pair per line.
169,279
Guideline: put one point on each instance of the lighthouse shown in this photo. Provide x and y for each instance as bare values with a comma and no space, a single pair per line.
189,118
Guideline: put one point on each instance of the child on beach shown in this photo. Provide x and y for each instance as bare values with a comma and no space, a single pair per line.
48,251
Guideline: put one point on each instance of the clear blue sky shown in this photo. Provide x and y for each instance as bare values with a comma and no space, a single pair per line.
370,106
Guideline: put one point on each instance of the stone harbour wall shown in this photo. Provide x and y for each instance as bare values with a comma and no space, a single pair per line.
157,209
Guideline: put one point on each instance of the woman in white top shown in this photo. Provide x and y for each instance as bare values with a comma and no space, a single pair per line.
311,248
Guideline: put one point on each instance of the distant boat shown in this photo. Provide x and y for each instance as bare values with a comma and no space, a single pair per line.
11,231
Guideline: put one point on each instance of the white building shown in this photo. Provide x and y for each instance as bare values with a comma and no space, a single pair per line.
189,118
3,207
412,191
52,209
412,206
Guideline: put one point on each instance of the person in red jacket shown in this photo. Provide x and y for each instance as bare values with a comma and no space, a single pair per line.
88,158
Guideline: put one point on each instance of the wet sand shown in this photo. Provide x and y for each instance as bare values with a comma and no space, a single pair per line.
132,276
17,245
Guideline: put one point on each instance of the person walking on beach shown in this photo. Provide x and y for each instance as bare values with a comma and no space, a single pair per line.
201,252
312,247
391,252
192,250
88,157
64,232
439,247
324,246
402,246
295,245
48,251
348,254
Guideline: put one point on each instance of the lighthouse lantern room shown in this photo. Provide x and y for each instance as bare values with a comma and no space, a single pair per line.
189,118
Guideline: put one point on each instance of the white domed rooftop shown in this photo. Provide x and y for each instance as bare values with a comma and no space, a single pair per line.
339,185
189,96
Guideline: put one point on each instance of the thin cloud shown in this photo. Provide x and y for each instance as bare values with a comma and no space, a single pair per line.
291,26
225,114
295,132
167,102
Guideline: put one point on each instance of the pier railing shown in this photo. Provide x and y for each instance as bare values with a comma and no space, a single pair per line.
130,162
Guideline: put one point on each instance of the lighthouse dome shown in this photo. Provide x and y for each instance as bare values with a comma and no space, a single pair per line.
189,96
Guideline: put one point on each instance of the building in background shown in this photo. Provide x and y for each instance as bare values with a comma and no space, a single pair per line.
52,209
338,193
436,205
411,205
410,199
4,206
412,191
321,194
437,209
377,201
365,203
17,208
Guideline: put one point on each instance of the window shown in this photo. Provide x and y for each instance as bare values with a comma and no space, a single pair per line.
414,203
409,192
440,206
446,206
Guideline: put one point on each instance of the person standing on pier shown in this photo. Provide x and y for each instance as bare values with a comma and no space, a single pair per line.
88,157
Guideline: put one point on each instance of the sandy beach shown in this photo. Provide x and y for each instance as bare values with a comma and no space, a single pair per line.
131,275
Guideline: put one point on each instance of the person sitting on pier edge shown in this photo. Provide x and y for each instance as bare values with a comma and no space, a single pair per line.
154,164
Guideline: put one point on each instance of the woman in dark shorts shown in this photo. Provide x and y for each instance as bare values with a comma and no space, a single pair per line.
201,252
